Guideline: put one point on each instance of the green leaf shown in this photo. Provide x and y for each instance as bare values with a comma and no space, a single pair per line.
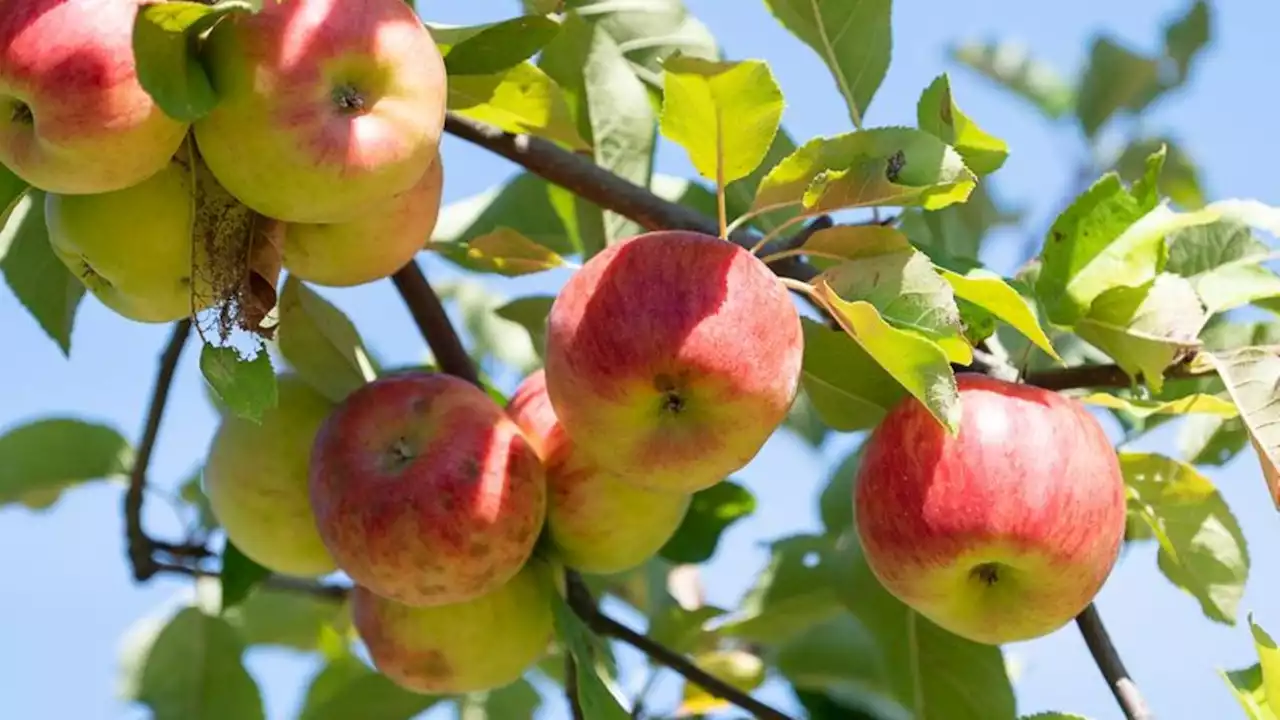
1251,375
493,338
1268,660
1246,685
1116,78
1145,328
346,688
521,99
788,596
953,236
853,37
51,454
12,188
1223,260
527,204
1202,550
1011,66
1187,36
682,629
530,313
840,656
597,700
724,114
503,251
500,46
882,166
711,512
835,503
239,576
740,669
192,492
942,676
269,616
245,387
1098,243
991,293
515,700
938,115
194,669
918,364
1179,179
321,343
40,281
1194,403
165,42
741,194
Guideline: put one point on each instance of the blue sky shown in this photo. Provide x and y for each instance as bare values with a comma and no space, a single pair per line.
67,595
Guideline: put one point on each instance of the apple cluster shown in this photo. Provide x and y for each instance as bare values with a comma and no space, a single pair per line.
324,139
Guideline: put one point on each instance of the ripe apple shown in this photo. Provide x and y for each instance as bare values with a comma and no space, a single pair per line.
470,646
1004,532
597,522
671,357
255,477
425,491
326,107
133,248
372,247
73,118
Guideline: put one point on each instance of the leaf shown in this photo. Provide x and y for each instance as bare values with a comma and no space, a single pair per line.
1146,328
51,454
916,363
530,313
938,115
321,343
239,576
941,675
1011,65
40,281
518,699
165,42
804,420
991,293
952,237
849,389
521,99
245,387
493,338
881,166
503,251
788,596
1202,550
1223,260
840,656
1116,78
1194,403
527,204
1099,242
269,616
598,702
853,37
738,668
193,493
649,31
500,46
724,114
1252,377
194,671
711,512
740,194
1187,36
346,688
12,189
1179,179
1268,660
835,503
681,629
1246,686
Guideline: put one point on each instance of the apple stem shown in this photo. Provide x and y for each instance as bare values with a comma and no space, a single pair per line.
720,193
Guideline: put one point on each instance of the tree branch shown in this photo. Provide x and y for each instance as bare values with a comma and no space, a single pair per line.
1086,376
429,315
1112,667
138,545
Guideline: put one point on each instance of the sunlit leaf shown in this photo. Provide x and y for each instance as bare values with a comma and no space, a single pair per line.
937,113
1223,260
165,42
1252,377
321,343
503,251
521,99
991,293
1189,404
848,388
40,281
246,387
499,46
739,668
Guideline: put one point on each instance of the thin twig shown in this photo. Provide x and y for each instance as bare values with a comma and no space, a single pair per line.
431,319
1086,376
138,545
1112,667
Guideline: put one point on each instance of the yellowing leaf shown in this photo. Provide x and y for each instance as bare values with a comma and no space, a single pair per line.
938,114
739,668
991,293
1199,403
849,242
503,251
1268,660
1252,377
1246,685
724,114
521,99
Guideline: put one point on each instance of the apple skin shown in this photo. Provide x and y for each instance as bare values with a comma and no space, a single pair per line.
326,107
371,248
133,248
597,522
1004,532
671,357
479,644
255,477
73,117
424,491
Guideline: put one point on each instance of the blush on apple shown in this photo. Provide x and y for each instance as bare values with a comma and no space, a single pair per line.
73,117
1004,532
671,358
597,522
424,491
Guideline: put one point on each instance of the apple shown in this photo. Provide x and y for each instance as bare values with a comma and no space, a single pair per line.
671,357
425,491
471,646
372,247
326,107
255,477
1003,532
597,522
134,248
73,117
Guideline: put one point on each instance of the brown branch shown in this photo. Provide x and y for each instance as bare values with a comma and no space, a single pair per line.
1110,376
140,546
275,582
429,315
1112,667
579,598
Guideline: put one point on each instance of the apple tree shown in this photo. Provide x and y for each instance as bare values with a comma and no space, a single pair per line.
460,534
